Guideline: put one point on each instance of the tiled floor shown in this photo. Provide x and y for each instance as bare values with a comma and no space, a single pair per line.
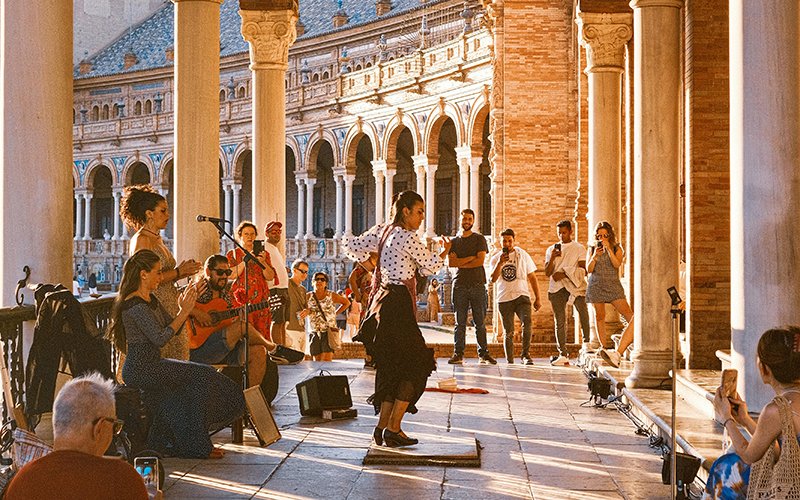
538,443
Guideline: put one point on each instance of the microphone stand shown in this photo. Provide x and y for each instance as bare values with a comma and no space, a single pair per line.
248,257
676,489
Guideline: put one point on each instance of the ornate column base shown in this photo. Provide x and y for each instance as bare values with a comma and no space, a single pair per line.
650,368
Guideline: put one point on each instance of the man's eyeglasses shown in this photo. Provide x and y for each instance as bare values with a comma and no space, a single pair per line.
303,271
117,423
223,272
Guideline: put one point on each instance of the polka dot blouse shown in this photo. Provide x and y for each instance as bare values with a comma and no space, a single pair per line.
403,253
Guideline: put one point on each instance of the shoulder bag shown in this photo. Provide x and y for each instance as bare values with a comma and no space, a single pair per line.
334,334
779,479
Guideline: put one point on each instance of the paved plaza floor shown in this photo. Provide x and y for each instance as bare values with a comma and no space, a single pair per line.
538,442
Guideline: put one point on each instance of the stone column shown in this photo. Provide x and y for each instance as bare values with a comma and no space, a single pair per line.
87,217
378,167
79,216
337,176
310,207
36,136
237,204
269,28
228,205
430,199
301,205
389,174
656,123
765,127
348,203
117,220
420,163
604,36
196,112
475,189
163,191
463,157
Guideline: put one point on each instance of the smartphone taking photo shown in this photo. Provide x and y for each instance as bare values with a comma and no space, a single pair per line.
258,246
147,467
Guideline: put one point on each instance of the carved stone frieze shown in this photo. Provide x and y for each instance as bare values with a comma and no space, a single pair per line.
269,34
604,37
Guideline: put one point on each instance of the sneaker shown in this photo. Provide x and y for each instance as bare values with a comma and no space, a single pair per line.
487,360
457,359
527,361
611,357
560,361
585,349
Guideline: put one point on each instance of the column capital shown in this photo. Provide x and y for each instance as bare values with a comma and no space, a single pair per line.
349,178
638,4
310,181
463,152
378,165
339,172
420,160
269,33
604,36
430,168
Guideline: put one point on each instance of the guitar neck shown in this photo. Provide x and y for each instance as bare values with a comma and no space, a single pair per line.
230,313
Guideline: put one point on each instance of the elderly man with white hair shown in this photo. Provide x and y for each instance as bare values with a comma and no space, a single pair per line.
84,423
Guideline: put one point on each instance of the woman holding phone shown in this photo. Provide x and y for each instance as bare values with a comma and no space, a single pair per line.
324,305
146,211
257,278
604,287
188,399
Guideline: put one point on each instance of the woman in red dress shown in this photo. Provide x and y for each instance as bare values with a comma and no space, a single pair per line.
258,280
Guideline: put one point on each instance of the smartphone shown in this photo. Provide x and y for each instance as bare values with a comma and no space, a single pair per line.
728,384
557,246
147,467
599,244
505,250
258,247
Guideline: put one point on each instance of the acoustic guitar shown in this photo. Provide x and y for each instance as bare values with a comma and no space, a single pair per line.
222,317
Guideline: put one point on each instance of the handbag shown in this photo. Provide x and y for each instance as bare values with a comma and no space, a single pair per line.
334,334
778,480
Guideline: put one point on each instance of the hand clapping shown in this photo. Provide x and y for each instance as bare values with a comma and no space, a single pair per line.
187,299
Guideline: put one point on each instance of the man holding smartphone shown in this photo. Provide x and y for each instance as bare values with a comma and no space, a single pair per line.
565,265
513,271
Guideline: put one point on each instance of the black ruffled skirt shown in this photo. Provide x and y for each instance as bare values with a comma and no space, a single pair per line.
392,337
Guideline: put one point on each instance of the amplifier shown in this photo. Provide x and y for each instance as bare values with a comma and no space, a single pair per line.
323,392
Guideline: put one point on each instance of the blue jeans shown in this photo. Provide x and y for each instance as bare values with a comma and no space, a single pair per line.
521,306
463,298
559,301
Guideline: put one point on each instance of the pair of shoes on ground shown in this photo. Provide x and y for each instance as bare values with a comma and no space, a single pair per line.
458,359
526,360
392,439
559,360
611,357
283,355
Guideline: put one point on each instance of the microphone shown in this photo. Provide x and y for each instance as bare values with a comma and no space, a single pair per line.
217,220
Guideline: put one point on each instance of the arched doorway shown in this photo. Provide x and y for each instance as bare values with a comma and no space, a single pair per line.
138,173
324,209
446,184
245,207
291,223
363,187
404,177
170,196
102,205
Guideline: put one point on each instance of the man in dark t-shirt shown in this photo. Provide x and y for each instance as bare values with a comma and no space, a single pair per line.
469,288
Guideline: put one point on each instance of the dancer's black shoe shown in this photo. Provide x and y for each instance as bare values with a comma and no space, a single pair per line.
377,436
395,439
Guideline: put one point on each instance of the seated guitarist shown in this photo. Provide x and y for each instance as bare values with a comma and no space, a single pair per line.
225,345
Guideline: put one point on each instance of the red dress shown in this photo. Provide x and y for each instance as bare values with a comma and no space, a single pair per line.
258,289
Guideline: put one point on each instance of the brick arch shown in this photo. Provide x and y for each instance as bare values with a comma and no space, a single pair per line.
392,133
238,159
91,169
143,159
479,113
312,150
223,161
433,127
353,138
166,161
291,143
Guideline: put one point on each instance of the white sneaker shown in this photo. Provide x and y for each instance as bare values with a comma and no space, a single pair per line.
560,361
611,357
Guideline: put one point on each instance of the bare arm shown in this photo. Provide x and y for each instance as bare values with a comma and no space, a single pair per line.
537,303
343,302
616,256
498,267
351,280
466,262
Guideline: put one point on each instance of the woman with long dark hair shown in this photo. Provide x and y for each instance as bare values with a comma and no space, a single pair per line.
147,213
390,332
188,399
604,287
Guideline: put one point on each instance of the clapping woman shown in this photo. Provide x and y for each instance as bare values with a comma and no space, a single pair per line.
390,332
147,213
188,399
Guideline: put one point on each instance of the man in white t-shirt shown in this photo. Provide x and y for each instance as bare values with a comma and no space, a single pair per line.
565,265
280,286
513,271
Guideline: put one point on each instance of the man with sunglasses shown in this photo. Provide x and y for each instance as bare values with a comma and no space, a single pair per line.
298,306
84,424
226,346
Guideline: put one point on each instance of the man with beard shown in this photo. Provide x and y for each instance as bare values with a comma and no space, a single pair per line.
469,288
226,346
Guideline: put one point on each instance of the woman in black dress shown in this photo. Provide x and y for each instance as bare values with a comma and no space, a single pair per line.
390,332
188,399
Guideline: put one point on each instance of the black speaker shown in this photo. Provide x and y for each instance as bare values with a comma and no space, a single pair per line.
323,392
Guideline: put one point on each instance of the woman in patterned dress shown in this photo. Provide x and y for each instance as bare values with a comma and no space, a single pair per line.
390,332
188,400
603,261
322,303
779,365
257,278
147,213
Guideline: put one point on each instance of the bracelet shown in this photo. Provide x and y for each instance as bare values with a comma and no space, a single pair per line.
177,274
729,419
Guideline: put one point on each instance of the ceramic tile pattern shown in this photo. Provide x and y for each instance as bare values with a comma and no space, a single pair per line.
538,443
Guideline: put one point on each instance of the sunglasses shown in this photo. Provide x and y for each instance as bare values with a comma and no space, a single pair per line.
303,271
117,423
223,272
601,236
321,279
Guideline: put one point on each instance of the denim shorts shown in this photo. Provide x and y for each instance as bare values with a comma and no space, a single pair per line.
214,351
